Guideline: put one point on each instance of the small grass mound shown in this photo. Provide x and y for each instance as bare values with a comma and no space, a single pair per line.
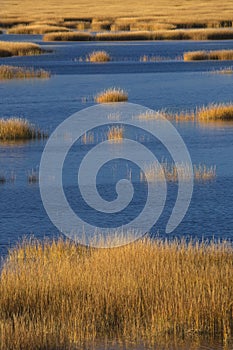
98,57
36,29
12,72
112,95
18,129
208,55
8,48
69,36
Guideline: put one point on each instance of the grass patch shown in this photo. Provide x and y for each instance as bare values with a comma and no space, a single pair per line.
189,14
212,112
69,36
36,29
170,172
112,95
215,112
208,55
59,295
98,57
8,48
18,129
12,72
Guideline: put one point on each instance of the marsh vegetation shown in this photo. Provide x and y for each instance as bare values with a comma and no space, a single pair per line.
14,72
139,293
19,129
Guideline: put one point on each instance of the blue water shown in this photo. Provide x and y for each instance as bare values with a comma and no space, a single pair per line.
171,84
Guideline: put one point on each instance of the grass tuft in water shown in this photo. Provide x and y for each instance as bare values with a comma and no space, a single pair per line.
112,95
208,55
98,57
18,129
13,72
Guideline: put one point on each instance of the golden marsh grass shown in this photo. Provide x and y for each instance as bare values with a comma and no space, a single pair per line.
212,112
61,296
208,55
8,48
98,57
215,112
36,29
18,129
164,170
67,36
186,14
112,95
178,34
13,72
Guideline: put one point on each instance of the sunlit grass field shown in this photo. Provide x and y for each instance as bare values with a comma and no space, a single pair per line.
60,296
164,11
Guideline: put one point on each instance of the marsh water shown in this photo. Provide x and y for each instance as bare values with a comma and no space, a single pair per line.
168,84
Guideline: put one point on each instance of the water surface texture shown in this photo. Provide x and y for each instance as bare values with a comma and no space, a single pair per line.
169,84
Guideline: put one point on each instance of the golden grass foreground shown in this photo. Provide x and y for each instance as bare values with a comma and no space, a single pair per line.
208,55
8,48
61,296
111,95
14,72
18,129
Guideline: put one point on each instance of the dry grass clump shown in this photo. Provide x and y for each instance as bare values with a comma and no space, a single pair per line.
115,134
112,95
215,112
18,129
36,29
98,57
154,172
61,296
13,72
8,48
212,112
208,55
67,36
